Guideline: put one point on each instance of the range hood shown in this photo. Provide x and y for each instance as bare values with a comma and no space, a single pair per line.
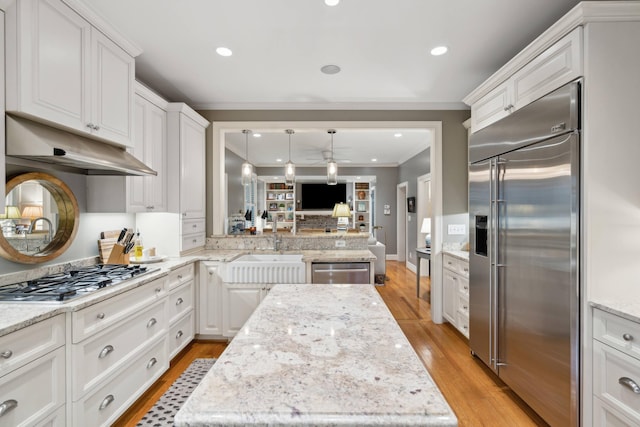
30,140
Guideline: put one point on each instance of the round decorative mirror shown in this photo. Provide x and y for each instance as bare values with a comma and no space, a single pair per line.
40,219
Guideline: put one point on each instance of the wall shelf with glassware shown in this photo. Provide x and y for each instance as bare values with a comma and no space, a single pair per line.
361,208
280,202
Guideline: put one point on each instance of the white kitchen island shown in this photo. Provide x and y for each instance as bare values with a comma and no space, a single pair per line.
318,355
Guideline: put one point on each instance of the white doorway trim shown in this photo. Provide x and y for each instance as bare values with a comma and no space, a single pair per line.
401,222
423,202
216,190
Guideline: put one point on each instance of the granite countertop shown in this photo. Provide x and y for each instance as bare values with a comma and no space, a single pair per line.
310,355
463,255
18,315
629,310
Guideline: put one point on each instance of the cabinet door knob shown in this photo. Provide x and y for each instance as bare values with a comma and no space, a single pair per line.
627,337
100,316
6,354
179,335
7,406
152,362
630,384
106,402
151,322
105,352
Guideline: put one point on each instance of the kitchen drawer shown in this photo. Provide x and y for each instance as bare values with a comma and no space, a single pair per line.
605,415
463,304
22,346
180,301
193,226
192,241
463,286
617,332
56,419
456,265
100,316
462,323
107,403
610,368
37,388
97,357
180,334
180,276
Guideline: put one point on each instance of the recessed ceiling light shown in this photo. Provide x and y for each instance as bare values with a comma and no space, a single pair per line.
374,160
224,51
330,69
278,160
331,2
439,50
397,135
257,135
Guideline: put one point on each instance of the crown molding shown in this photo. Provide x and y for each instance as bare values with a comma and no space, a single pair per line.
418,106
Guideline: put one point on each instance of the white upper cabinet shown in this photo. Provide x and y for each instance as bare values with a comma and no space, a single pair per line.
555,66
64,71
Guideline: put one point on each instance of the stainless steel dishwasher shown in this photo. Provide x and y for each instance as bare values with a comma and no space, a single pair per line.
340,272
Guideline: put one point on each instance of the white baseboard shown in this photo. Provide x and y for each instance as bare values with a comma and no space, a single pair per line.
412,267
392,257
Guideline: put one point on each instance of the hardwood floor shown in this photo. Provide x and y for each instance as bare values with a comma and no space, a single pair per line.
474,393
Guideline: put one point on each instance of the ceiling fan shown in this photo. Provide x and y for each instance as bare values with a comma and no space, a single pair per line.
326,156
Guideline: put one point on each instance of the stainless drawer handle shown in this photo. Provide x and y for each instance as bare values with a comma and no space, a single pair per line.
100,316
106,402
179,301
7,406
466,270
464,307
151,322
152,362
466,288
179,335
179,276
158,290
105,352
6,354
627,337
195,225
630,384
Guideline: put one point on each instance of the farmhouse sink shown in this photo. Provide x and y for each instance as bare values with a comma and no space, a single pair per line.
266,268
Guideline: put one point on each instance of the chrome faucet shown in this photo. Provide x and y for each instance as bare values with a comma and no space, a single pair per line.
274,227
33,223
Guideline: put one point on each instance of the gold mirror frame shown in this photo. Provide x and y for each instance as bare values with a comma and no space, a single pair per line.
68,219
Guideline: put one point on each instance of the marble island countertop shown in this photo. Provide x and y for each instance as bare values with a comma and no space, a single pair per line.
17,315
318,355
629,309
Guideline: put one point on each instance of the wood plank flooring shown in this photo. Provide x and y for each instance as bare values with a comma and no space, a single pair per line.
474,393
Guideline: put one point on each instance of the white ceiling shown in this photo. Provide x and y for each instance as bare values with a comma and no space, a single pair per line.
382,47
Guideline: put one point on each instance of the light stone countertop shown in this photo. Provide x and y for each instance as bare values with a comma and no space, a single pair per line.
629,310
318,355
17,315
463,255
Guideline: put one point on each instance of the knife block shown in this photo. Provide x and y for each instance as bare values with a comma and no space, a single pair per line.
117,255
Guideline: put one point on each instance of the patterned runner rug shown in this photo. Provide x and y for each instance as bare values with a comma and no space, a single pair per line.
165,408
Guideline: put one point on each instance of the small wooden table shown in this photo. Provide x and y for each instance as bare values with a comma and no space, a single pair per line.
426,254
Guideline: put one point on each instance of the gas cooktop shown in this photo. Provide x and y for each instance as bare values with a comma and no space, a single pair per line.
71,284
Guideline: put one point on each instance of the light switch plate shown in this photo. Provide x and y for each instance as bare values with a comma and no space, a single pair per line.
454,229
341,243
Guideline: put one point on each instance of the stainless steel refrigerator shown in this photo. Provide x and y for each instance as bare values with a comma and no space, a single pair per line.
524,187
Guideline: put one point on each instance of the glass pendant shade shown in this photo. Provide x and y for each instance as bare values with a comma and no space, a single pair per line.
290,167
247,173
247,168
332,172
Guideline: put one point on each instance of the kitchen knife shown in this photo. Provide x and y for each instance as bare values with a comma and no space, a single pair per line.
128,247
121,236
128,238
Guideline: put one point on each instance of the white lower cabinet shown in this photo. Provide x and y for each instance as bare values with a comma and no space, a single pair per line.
181,333
180,309
210,299
616,370
239,301
32,374
106,403
119,348
455,292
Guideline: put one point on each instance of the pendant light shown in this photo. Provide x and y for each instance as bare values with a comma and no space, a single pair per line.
289,167
332,166
247,168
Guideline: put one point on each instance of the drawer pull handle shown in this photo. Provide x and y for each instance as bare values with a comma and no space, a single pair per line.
630,384
179,276
105,352
466,288
195,225
151,322
179,335
466,270
158,290
180,301
106,402
627,337
100,316
152,362
6,354
7,406
464,307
